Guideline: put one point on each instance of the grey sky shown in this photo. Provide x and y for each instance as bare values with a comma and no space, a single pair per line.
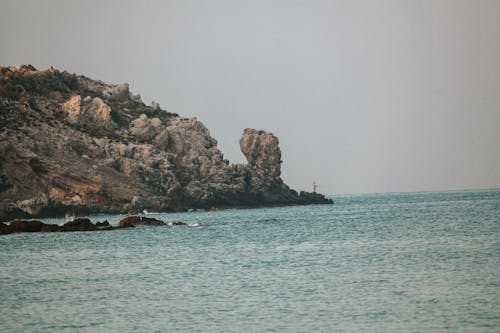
365,96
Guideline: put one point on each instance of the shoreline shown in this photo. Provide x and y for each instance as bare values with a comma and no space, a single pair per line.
87,213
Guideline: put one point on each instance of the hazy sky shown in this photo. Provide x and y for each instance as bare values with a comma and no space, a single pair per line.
365,96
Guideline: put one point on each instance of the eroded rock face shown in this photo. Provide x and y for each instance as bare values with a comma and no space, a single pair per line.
69,143
263,154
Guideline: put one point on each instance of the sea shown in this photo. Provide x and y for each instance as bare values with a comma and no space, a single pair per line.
397,262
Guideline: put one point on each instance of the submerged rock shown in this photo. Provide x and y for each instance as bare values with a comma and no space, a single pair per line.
5,229
26,226
139,220
51,228
177,223
80,224
103,225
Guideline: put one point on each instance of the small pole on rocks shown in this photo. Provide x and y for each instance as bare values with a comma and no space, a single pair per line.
315,186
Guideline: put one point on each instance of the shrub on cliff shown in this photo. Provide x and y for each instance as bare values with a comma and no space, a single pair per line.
15,83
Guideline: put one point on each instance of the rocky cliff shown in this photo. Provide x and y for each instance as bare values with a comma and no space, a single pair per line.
69,143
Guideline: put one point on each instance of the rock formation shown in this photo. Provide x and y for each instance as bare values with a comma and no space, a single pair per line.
17,226
81,224
69,143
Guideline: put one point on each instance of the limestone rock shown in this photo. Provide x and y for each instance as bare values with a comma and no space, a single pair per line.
91,110
73,107
263,154
144,128
98,111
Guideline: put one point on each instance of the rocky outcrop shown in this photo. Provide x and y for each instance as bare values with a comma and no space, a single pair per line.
69,143
263,154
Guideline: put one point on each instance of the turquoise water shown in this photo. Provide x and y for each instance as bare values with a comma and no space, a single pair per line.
420,262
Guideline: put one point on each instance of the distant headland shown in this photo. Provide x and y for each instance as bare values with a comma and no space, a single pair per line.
72,144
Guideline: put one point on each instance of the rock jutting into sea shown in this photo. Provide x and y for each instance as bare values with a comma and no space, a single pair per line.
80,224
72,144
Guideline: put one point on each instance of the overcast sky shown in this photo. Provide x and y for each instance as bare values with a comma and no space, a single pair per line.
365,96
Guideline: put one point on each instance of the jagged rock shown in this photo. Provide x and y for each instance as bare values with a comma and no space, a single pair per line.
119,92
135,98
69,143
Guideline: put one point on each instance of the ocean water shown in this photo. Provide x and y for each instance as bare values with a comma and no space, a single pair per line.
419,262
